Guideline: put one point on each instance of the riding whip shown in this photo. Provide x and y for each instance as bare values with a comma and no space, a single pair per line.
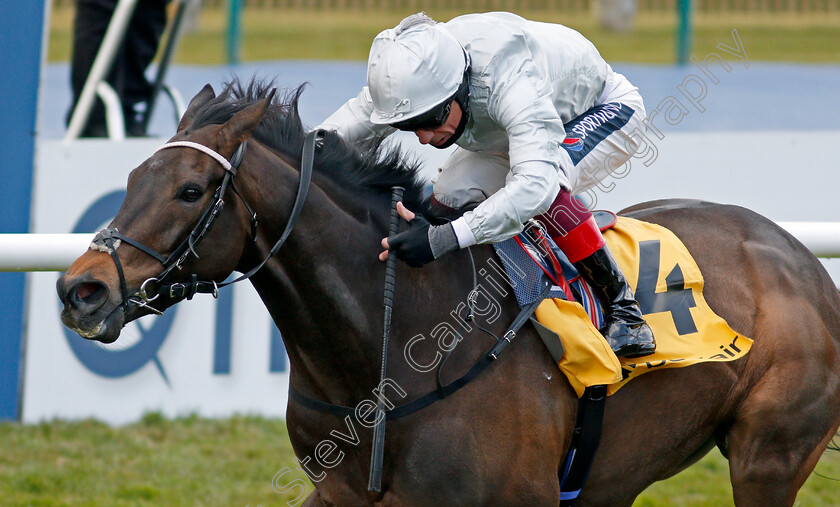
378,449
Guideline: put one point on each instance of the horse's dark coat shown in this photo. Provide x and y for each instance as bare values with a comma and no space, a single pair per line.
500,440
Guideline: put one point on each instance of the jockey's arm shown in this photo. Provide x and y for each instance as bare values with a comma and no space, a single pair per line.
530,189
352,120
535,133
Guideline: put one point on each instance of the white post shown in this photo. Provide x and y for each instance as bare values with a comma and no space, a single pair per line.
114,118
41,252
101,65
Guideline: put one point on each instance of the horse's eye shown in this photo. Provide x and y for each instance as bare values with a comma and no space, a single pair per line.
191,194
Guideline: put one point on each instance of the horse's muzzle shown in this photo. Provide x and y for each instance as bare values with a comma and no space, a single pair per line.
89,309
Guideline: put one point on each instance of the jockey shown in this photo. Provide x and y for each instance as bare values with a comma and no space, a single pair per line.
537,115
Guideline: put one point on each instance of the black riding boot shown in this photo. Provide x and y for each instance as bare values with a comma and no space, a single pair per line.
624,328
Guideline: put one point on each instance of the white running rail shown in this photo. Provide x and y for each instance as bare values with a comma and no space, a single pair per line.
55,252
41,252
821,238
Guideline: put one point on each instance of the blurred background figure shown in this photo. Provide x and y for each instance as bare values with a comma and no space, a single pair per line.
617,15
127,76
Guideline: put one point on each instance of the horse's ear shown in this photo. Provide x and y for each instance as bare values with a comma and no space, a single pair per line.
203,97
236,130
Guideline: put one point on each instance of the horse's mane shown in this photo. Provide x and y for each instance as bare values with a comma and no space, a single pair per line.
370,168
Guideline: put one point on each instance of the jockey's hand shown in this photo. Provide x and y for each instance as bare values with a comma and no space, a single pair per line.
422,242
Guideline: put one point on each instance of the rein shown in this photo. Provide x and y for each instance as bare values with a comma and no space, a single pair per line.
440,392
109,239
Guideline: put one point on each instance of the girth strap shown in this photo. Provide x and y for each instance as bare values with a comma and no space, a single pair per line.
438,394
585,441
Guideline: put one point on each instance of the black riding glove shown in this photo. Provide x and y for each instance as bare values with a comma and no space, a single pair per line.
423,242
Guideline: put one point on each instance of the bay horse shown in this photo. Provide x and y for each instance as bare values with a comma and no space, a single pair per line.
501,439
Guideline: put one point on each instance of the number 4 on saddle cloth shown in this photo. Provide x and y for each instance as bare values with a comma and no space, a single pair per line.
668,286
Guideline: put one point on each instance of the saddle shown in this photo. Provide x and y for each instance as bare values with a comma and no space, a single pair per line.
668,286
554,264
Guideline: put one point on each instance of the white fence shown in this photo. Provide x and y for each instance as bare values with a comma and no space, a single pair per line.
55,252
41,252
821,238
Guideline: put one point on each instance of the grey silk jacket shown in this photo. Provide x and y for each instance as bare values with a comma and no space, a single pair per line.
527,79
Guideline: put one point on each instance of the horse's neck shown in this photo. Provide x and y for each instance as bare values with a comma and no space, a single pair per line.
322,289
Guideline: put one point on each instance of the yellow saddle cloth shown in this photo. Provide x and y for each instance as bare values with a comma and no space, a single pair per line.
669,287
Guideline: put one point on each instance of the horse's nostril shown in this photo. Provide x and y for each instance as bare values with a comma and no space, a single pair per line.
89,295
85,290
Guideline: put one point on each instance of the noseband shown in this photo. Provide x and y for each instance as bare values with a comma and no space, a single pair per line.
109,239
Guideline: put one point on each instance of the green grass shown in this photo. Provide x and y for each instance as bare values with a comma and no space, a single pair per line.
194,461
706,484
270,34
188,461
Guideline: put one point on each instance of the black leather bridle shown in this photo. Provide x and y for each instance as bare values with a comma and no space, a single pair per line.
109,239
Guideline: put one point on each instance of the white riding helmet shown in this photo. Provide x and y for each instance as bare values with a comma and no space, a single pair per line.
413,69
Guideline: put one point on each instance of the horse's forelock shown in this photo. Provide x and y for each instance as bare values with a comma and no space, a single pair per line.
372,167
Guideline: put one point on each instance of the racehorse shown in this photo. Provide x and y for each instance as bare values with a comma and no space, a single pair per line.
501,439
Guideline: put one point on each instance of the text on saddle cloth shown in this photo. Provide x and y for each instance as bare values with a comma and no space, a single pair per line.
668,286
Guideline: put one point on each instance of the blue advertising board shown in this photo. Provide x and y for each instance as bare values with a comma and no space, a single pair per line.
21,28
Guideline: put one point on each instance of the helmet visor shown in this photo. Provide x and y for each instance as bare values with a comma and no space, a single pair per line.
430,120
